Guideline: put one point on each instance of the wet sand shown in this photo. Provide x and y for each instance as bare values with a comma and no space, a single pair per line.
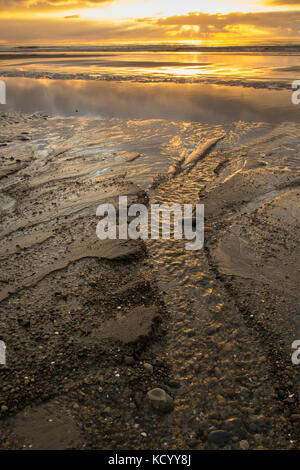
213,328
250,67
17,55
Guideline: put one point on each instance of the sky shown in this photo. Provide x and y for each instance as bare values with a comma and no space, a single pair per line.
120,21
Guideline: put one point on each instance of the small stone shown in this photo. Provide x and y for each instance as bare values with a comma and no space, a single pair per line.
213,381
221,399
148,367
236,427
295,417
173,384
107,410
219,437
159,363
160,400
244,445
4,408
260,423
252,427
201,429
193,443
228,347
129,361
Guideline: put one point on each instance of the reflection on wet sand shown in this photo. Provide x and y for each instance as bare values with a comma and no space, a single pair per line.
149,65
189,102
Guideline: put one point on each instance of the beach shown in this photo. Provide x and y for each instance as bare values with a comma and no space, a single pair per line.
92,326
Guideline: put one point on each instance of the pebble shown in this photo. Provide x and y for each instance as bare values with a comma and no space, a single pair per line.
148,367
193,443
173,384
295,417
219,437
160,400
244,445
4,408
129,361
221,399
228,347
159,363
252,427
260,423
236,427
201,430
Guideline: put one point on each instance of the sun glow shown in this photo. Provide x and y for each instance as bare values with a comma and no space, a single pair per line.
139,9
165,8
97,21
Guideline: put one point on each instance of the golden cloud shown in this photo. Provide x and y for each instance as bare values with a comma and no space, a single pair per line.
234,26
44,5
283,2
279,24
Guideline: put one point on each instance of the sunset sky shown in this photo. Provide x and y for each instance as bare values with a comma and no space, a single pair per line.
101,21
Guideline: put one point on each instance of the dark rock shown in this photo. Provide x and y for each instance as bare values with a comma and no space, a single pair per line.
129,361
193,443
236,427
159,363
201,430
219,437
259,424
252,427
173,384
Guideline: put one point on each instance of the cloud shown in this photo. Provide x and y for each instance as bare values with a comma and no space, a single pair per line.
232,27
281,24
30,3
80,31
283,2
46,5
71,17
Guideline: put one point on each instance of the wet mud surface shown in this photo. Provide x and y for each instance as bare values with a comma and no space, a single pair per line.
91,326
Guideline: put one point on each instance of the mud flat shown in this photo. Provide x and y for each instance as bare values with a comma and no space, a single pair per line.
92,326
73,308
234,306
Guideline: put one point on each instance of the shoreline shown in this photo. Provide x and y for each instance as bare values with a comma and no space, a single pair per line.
240,82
